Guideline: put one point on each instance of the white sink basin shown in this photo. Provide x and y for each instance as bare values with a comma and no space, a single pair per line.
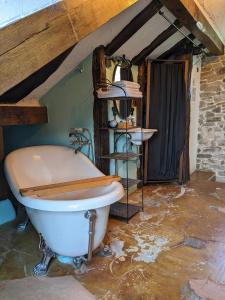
138,135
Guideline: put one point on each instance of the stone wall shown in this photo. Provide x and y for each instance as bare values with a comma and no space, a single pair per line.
211,132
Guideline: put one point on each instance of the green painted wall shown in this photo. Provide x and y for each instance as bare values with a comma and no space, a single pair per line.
69,103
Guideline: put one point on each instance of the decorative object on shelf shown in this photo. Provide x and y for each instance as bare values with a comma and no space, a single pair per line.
122,124
113,124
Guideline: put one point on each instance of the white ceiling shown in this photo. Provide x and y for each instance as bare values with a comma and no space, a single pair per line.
145,35
214,10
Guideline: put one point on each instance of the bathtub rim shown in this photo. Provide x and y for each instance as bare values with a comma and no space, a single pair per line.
115,194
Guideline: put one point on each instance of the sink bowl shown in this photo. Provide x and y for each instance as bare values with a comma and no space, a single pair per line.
138,134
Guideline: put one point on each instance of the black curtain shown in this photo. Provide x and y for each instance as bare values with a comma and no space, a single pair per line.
168,115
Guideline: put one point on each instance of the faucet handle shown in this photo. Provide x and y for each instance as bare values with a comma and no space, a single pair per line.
74,131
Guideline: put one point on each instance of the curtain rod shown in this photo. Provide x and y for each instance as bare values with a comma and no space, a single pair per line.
161,13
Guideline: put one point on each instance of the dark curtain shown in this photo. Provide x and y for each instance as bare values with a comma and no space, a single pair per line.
168,115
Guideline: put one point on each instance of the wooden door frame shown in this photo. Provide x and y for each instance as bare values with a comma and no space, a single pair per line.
186,62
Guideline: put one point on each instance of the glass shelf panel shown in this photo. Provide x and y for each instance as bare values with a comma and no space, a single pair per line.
121,156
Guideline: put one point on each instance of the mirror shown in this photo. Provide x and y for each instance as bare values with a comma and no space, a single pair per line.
122,71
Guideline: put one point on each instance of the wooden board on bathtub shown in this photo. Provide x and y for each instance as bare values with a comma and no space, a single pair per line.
69,186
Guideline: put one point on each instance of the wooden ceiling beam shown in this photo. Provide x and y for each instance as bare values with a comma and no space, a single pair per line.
23,115
188,13
135,24
156,43
32,42
26,86
180,45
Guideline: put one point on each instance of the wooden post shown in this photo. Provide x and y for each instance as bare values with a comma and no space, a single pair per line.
147,124
101,137
3,184
140,110
184,170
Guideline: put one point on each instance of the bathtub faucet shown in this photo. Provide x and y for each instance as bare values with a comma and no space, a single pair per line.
81,137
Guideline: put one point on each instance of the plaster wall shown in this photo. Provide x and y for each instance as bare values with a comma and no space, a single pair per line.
69,104
195,100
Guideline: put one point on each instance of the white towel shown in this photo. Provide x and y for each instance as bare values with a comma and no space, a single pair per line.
125,90
125,83
118,93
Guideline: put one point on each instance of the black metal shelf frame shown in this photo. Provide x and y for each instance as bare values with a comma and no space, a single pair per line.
119,209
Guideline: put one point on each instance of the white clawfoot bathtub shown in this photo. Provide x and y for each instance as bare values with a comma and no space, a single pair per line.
60,218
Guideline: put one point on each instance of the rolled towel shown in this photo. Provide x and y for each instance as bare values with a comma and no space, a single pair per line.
125,90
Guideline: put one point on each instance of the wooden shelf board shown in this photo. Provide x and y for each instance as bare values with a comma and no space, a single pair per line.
121,156
123,210
22,115
120,98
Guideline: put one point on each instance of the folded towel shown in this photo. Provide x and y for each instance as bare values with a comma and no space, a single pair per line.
126,90
125,83
118,93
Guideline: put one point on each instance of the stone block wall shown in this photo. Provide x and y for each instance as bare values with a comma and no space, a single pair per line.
211,131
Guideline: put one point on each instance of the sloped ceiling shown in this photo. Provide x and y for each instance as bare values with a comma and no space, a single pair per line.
143,37
149,32
214,10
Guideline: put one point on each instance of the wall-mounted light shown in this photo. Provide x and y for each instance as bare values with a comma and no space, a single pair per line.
200,26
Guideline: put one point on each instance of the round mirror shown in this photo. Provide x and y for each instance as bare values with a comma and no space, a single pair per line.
122,71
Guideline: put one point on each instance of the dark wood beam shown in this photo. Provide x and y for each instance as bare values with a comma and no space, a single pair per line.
100,111
188,13
136,23
156,43
16,115
25,87
32,42
3,184
22,115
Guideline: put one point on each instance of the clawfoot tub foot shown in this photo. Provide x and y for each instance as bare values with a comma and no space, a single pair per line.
41,269
21,227
103,250
79,261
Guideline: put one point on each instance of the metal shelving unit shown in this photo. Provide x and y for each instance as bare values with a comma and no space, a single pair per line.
126,208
